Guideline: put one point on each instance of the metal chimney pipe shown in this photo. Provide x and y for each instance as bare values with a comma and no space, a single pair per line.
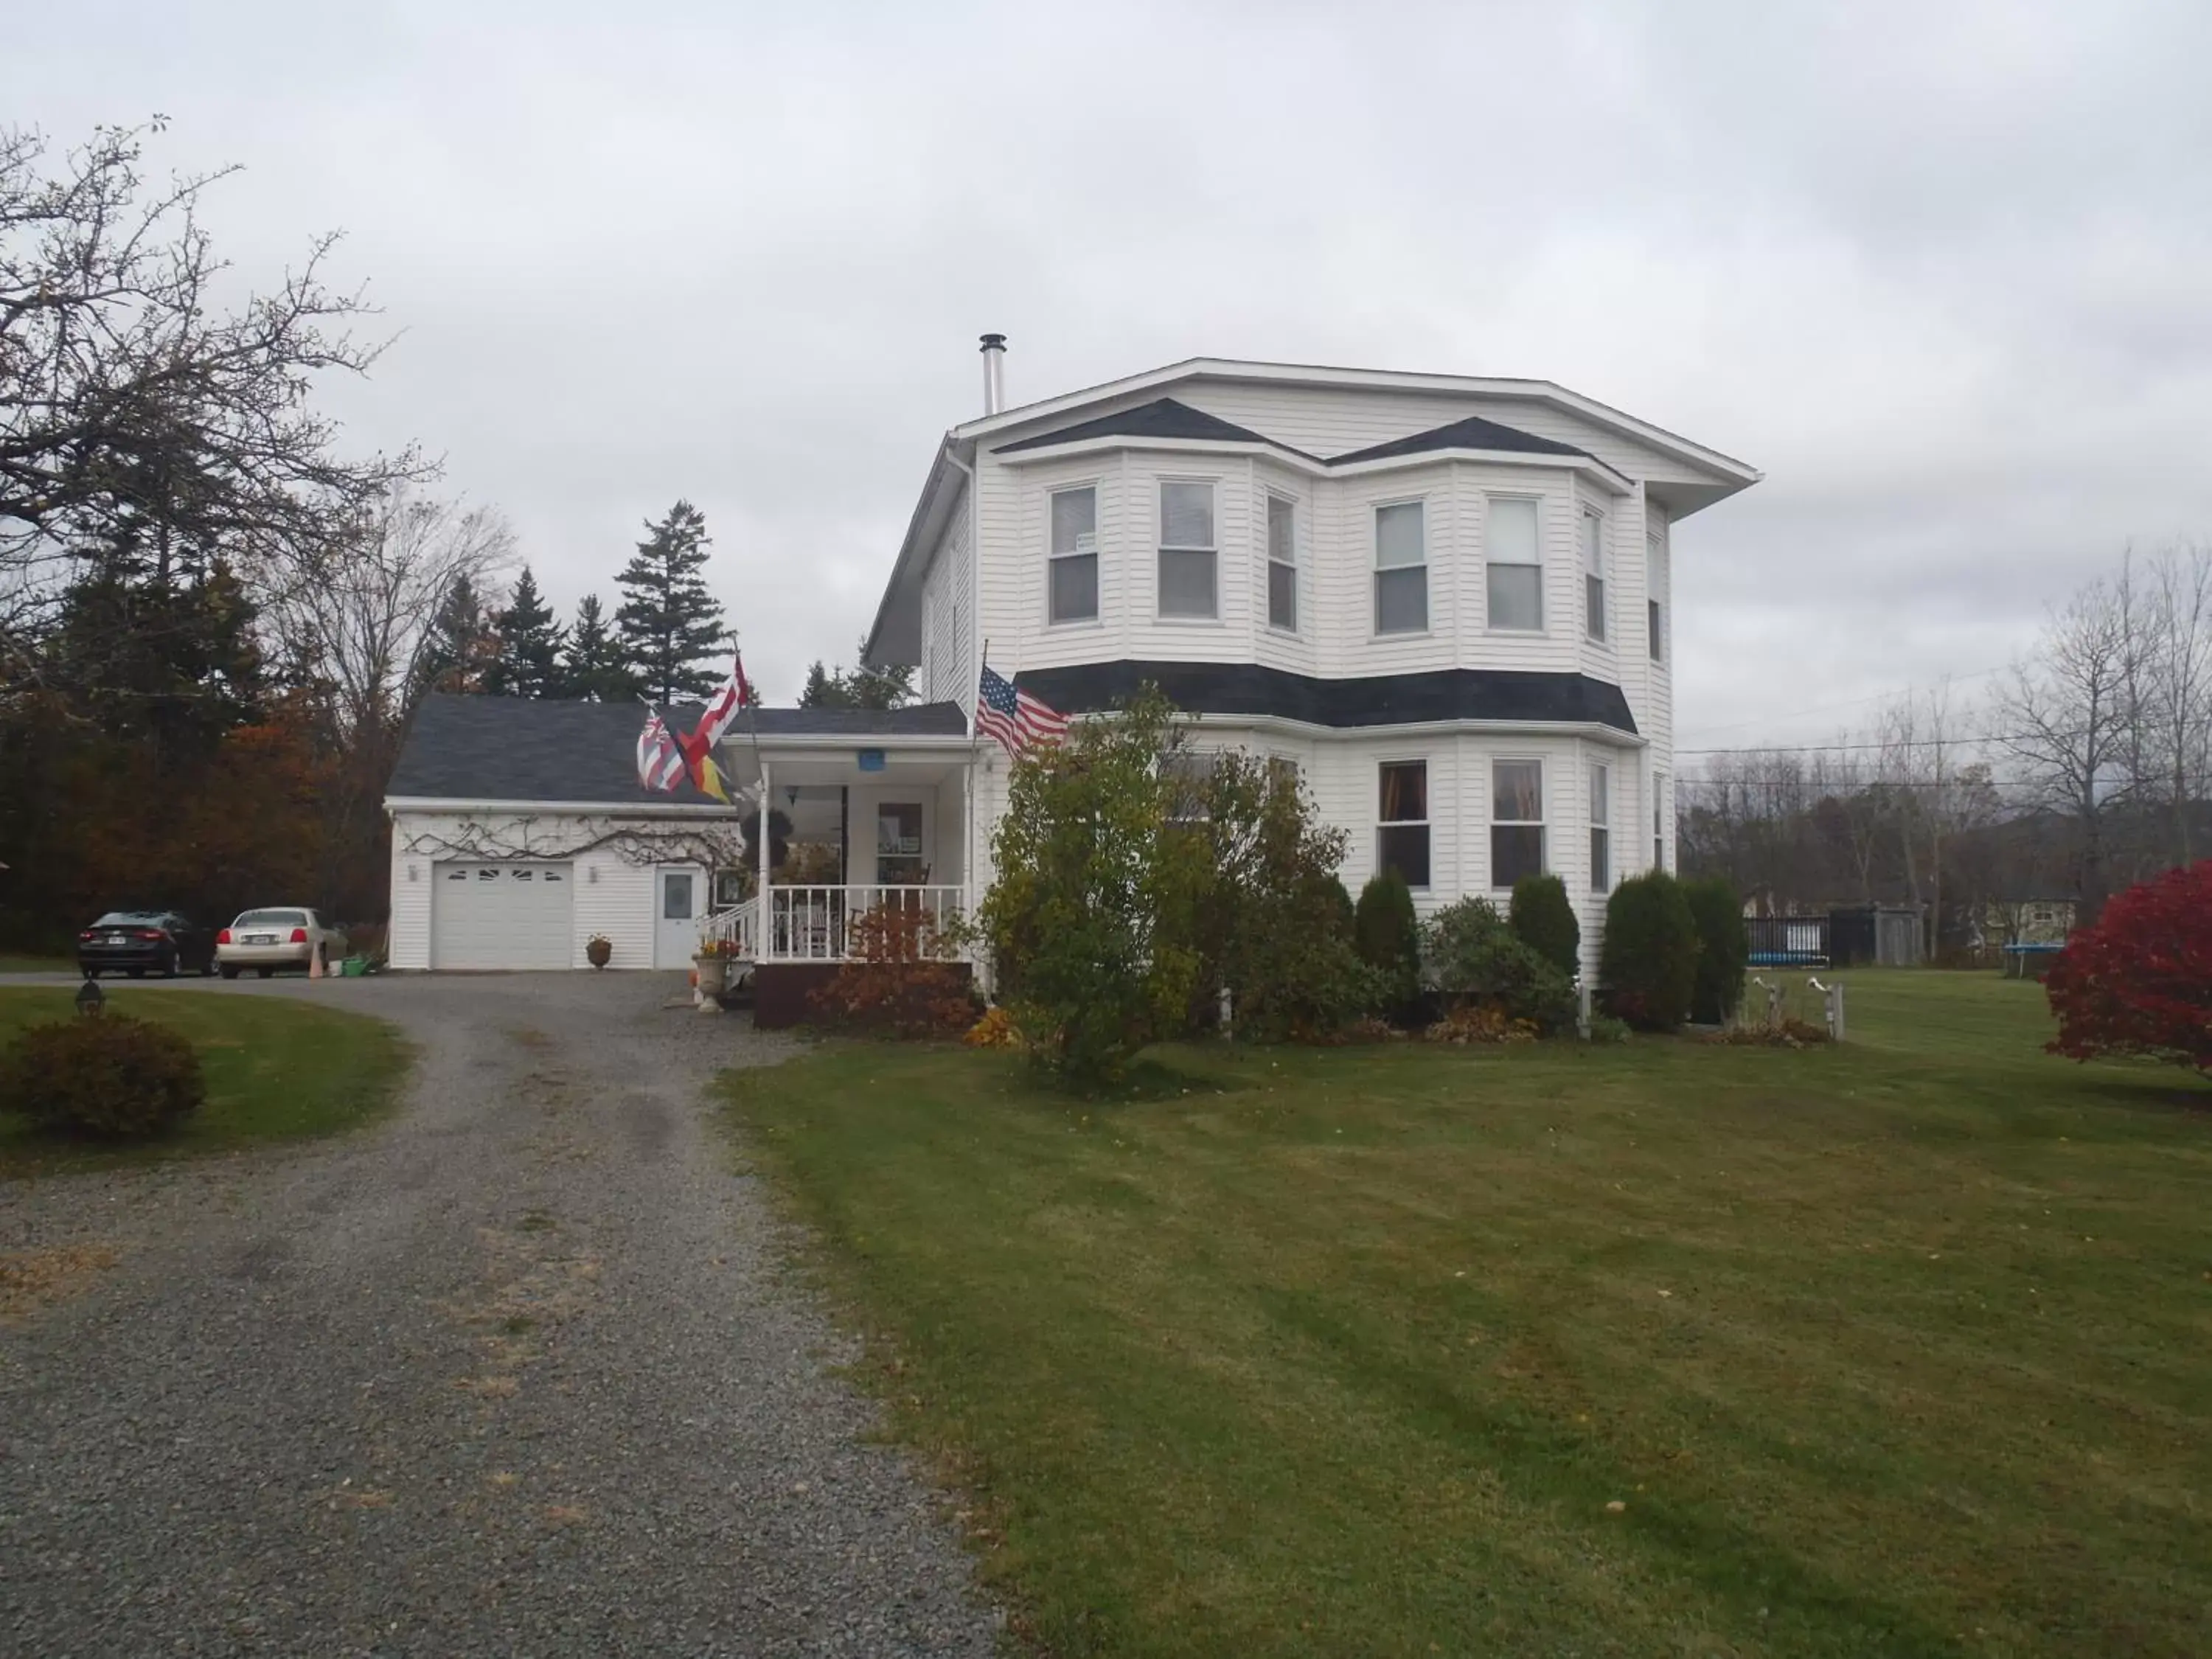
995,373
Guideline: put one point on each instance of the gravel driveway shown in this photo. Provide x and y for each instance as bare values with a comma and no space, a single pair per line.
521,1372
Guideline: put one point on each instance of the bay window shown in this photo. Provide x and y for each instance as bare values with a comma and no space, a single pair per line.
1402,834
1513,564
1601,828
1189,561
1516,821
1071,582
1282,564
1402,569
1593,535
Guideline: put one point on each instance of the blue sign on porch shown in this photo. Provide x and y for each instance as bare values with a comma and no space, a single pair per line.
871,760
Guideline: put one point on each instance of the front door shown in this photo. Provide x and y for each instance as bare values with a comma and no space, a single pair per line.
679,901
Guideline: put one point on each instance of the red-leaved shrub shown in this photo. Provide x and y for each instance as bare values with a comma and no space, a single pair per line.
2140,981
903,977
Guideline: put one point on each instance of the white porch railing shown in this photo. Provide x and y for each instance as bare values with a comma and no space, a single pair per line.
736,930
814,923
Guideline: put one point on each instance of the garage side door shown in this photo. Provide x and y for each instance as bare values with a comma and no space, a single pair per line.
502,915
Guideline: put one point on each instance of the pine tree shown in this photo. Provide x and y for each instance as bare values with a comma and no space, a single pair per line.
858,687
594,665
668,622
529,661
462,645
823,689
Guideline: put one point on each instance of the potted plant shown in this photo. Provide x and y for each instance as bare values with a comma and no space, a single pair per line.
599,950
713,963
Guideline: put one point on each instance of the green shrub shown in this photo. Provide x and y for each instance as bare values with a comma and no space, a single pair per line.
1604,1028
1649,962
1543,920
1475,958
1388,935
1723,948
1092,924
106,1075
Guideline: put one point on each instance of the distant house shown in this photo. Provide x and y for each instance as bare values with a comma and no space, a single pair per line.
1447,601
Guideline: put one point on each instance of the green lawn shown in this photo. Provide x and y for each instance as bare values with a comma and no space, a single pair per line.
276,1070
15,963
1902,1348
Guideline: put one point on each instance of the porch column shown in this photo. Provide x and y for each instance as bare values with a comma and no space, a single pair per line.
763,922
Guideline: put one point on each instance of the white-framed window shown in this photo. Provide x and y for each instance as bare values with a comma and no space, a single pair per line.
1516,821
1592,540
1188,776
1401,567
1658,820
1513,564
1190,562
1071,582
1402,826
1601,828
1654,607
1282,564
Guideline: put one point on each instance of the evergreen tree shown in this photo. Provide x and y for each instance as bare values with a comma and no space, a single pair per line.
529,661
823,689
668,622
858,687
462,644
594,665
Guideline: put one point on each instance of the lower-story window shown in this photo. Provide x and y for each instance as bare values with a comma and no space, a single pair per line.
1401,833
1601,828
1516,821
1659,821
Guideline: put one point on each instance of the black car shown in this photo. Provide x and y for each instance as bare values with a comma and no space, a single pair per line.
137,940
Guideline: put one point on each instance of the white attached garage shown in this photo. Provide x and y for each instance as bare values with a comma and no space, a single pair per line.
506,914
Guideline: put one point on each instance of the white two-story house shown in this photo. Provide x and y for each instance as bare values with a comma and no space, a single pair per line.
1446,599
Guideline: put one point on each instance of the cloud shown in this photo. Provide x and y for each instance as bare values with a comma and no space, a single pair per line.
1939,269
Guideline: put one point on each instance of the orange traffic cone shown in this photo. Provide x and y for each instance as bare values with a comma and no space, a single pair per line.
315,962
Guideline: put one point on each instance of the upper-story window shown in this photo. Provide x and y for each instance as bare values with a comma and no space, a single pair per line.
1402,569
1282,564
1593,534
1655,608
1190,563
1071,586
1513,561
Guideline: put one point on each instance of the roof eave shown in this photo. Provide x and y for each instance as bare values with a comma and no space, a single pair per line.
927,516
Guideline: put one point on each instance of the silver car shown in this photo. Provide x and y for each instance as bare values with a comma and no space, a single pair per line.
265,940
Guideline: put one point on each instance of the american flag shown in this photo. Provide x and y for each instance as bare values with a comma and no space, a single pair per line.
1015,718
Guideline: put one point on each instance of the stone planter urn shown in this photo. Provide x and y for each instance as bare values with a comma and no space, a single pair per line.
599,950
712,974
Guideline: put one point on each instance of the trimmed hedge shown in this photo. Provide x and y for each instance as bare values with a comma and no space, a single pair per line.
105,1074
1388,936
1475,956
1723,949
1648,964
1542,918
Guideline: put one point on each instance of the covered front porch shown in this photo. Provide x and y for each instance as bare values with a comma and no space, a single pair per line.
882,822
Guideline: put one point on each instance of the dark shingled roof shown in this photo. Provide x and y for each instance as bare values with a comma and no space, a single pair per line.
1162,418
1245,688
1473,433
464,748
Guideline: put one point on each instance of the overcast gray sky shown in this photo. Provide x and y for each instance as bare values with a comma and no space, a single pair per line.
1943,271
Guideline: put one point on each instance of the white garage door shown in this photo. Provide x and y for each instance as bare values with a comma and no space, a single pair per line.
502,915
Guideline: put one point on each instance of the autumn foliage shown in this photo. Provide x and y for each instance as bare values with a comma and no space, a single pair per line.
2140,981
901,977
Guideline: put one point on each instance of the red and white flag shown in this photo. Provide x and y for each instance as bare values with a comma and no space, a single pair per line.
660,763
733,694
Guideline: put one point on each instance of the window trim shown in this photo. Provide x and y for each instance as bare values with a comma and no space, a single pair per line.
1597,774
1542,630
1597,619
1375,568
1426,822
1161,548
1541,823
1269,497
1097,617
